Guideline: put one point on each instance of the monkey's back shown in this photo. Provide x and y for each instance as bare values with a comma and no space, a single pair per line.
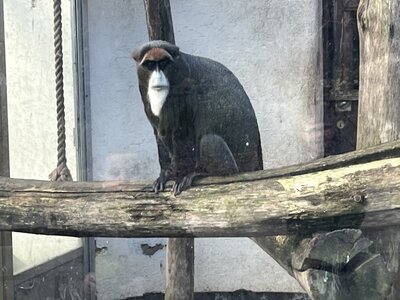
223,108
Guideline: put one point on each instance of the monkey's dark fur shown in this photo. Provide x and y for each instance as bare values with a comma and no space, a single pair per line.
206,126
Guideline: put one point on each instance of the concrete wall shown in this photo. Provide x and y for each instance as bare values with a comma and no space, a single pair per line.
273,47
32,111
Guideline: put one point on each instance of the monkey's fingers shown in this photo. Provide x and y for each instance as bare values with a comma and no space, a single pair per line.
183,184
159,185
177,188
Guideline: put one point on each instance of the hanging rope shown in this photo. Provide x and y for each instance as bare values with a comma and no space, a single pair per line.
61,173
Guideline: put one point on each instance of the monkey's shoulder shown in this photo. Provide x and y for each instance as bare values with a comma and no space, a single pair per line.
207,67
208,77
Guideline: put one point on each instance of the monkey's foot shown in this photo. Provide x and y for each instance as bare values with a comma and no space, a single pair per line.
159,184
183,183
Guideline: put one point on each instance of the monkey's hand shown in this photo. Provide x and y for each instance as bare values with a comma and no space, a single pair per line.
183,183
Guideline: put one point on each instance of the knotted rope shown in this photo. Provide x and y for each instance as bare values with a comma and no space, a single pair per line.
61,173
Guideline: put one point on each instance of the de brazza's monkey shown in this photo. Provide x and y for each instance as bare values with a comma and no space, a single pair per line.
202,118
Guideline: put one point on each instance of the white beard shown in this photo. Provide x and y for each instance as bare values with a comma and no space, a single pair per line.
158,91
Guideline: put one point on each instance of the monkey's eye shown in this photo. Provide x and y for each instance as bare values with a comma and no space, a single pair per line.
163,63
150,65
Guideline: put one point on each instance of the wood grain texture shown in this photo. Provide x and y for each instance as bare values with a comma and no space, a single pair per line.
180,269
379,106
364,195
159,20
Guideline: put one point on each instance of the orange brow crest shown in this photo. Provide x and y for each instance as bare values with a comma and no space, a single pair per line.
156,54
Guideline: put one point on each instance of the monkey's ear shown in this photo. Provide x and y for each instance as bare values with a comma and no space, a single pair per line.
136,54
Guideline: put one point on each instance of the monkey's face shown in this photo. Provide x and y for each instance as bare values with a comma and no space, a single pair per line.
151,71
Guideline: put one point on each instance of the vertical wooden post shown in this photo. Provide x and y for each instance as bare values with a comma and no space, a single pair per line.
379,101
180,251
6,258
180,264
159,20
379,108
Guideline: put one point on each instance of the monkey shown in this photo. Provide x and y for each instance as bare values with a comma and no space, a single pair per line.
203,120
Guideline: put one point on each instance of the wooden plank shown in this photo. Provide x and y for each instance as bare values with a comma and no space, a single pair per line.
364,195
379,109
6,256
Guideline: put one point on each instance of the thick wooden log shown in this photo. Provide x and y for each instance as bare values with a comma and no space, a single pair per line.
284,248
378,152
370,275
364,195
379,109
339,266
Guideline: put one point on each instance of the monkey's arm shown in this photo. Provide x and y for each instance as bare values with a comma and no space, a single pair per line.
166,172
183,162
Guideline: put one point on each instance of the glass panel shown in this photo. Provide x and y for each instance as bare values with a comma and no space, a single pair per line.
256,41
44,267
241,86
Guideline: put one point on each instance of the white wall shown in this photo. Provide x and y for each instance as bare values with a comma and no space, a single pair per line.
273,48
32,111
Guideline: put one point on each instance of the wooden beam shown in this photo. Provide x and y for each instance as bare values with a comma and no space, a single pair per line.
159,20
6,256
379,109
180,269
358,196
180,251
378,152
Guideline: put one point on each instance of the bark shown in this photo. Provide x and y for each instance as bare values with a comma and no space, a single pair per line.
159,20
339,266
180,264
379,107
357,196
